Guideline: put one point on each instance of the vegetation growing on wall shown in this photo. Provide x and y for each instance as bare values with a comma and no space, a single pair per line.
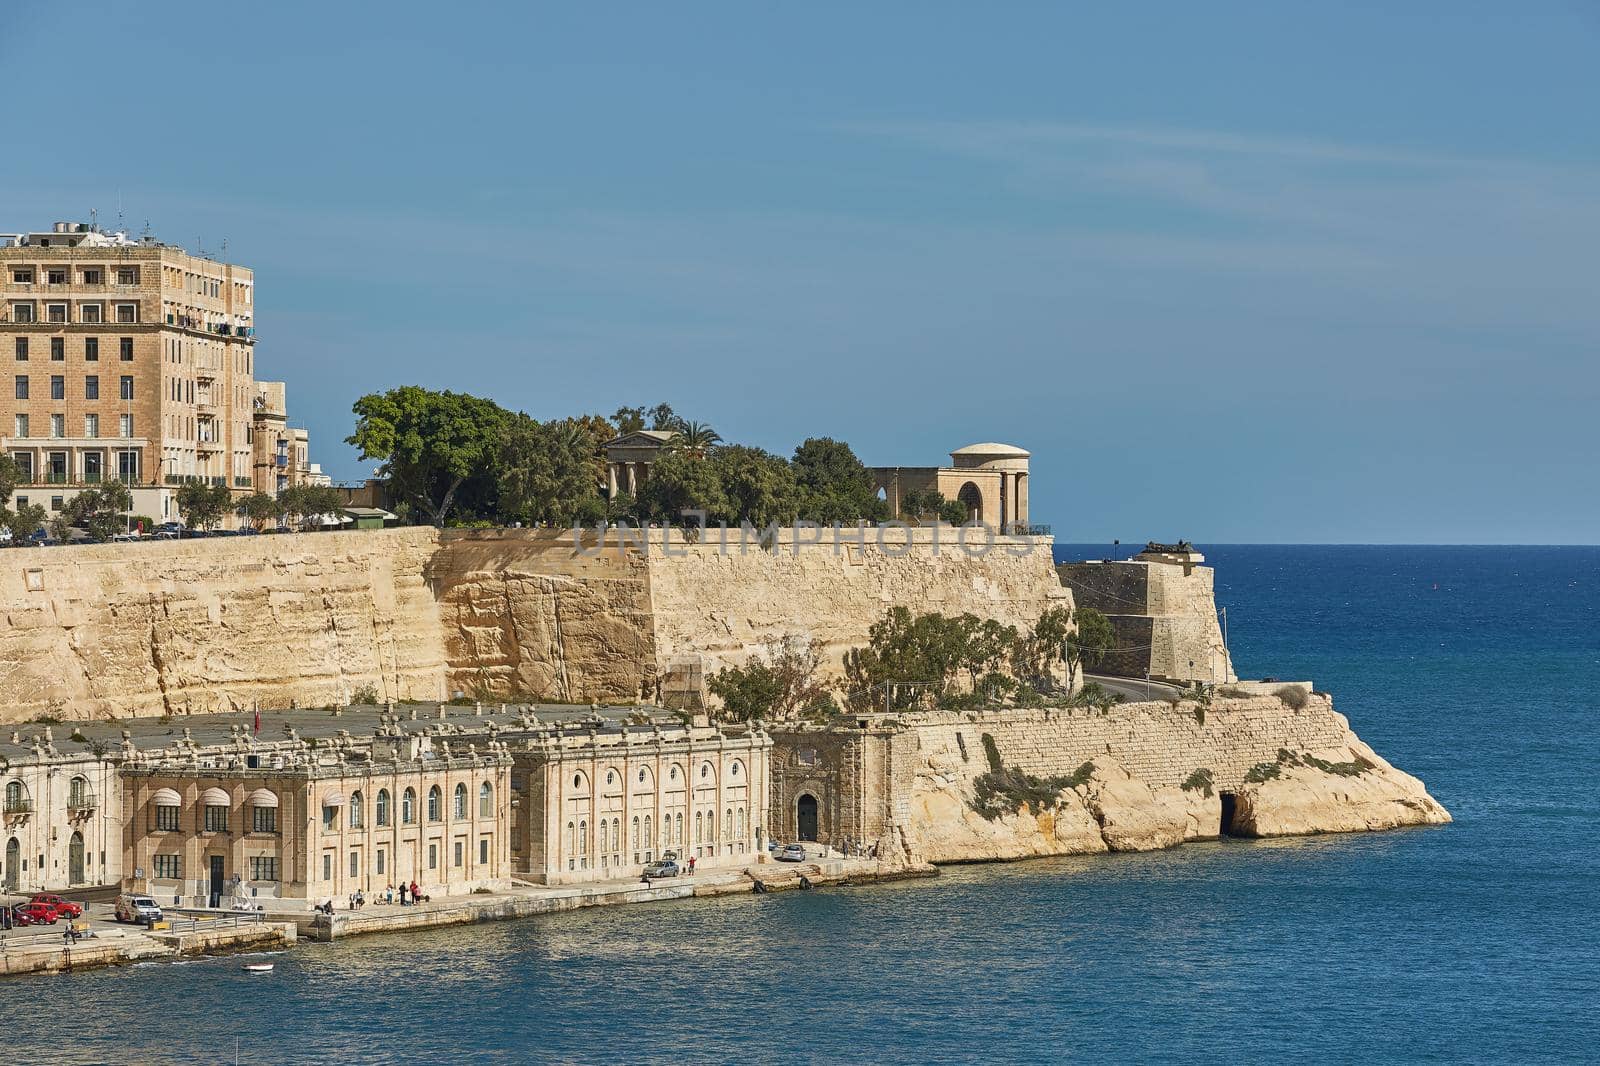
1266,771
1001,792
1199,781
777,685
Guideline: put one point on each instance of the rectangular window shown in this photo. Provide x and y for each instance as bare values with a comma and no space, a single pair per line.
330,818
355,864
91,426
127,312
483,851
55,277
167,868
127,386
22,349
327,866
21,426
125,426
167,819
91,387
460,847
130,276
264,820
93,276
58,428
125,345
58,349
90,313
433,856
22,386
56,312
216,819
22,277
58,387
22,312
57,502
264,867
380,860
91,349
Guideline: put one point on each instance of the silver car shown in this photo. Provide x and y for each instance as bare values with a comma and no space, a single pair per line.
792,853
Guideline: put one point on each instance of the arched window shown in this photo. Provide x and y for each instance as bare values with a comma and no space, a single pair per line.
16,803
740,833
408,807
461,801
611,777
78,794
356,812
635,834
641,775
727,823
572,838
647,840
616,834
383,806
577,782
705,771
678,836
583,836
699,827
486,800
735,769
435,804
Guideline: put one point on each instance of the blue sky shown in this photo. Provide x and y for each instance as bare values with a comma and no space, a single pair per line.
1233,272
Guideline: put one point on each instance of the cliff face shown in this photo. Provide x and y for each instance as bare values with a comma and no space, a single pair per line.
1150,776
213,624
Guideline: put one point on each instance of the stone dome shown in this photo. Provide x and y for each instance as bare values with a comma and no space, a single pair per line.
991,455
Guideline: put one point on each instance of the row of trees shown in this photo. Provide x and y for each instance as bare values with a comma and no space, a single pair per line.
451,457
920,660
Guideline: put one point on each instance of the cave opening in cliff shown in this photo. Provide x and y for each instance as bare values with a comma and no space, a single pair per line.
1229,806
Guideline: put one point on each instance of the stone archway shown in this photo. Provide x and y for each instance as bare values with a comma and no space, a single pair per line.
971,498
805,817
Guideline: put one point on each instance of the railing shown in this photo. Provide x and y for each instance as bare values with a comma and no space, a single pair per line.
227,920
243,482
54,477
198,479
19,806
82,801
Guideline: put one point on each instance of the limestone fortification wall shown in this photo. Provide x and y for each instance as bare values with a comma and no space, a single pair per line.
1164,615
216,624
147,629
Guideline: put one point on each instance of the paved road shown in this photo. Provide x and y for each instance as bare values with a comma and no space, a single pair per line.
1133,689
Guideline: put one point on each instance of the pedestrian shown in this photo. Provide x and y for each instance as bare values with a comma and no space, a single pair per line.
691,866
416,893
402,893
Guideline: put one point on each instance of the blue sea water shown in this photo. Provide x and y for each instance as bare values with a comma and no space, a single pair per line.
1477,669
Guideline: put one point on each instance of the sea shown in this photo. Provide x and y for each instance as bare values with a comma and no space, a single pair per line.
1475,668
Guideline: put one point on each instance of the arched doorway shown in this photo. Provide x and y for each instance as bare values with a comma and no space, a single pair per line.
75,874
806,817
13,865
972,499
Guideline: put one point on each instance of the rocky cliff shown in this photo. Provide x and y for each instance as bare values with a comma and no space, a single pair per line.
1139,777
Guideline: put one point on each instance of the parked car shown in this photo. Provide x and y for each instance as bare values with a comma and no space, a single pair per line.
34,914
64,907
663,868
792,853
132,907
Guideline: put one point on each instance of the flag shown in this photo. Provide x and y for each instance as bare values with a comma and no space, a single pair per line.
258,721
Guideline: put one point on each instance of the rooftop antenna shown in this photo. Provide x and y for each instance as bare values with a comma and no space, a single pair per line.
94,223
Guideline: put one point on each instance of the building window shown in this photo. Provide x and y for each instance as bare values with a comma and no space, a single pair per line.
21,430
22,386
58,429
93,276
22,277
634,835
125,426
166,819
433,856
264,820
408,807
90,313
355,864
22,349
127,386
127,312
216,819
356,815
91,349
460,847
435,803
125,346
16,799
91,430
91,387
56,312
648,842
327,866
381,859
330,818
58,349
22,312
383,808
486,800
461,802
167,868
58,387
483,851
699,826
264,867
57,502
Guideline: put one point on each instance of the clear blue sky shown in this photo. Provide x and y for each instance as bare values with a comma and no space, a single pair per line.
1233,272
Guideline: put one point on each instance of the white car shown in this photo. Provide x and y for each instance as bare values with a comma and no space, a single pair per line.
792,853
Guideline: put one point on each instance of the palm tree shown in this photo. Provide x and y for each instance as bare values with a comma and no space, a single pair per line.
695,439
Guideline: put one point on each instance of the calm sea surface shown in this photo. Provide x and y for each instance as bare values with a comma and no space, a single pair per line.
1478,669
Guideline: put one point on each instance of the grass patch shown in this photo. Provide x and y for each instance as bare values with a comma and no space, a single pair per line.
1262,771
1199,781
1293,697
991,751
1266,771
1233,692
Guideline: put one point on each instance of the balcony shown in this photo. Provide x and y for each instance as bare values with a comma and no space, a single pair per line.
82,801
19,806
243,482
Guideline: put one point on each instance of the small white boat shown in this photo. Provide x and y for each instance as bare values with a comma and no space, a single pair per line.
258,967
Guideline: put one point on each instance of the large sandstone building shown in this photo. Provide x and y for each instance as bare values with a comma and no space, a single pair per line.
130,360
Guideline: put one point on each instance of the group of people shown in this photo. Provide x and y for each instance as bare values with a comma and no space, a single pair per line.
409,894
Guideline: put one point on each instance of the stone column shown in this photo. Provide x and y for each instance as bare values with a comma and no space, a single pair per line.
611,480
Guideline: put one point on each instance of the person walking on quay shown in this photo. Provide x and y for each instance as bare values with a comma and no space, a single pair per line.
416,893
402,893
691,866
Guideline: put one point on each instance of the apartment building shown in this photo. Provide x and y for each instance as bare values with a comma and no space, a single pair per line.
129,359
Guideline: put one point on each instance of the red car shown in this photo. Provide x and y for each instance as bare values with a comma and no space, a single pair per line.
64,908
33,914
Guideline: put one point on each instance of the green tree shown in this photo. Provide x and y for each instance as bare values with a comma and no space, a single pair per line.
633,419
695,439
680,482
1091,641
100,510
25,520
260,508
779,684
834,485
10,476
438,448
311,502
546,471
760,487
203,505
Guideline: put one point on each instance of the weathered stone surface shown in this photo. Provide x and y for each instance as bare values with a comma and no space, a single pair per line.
1304,799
